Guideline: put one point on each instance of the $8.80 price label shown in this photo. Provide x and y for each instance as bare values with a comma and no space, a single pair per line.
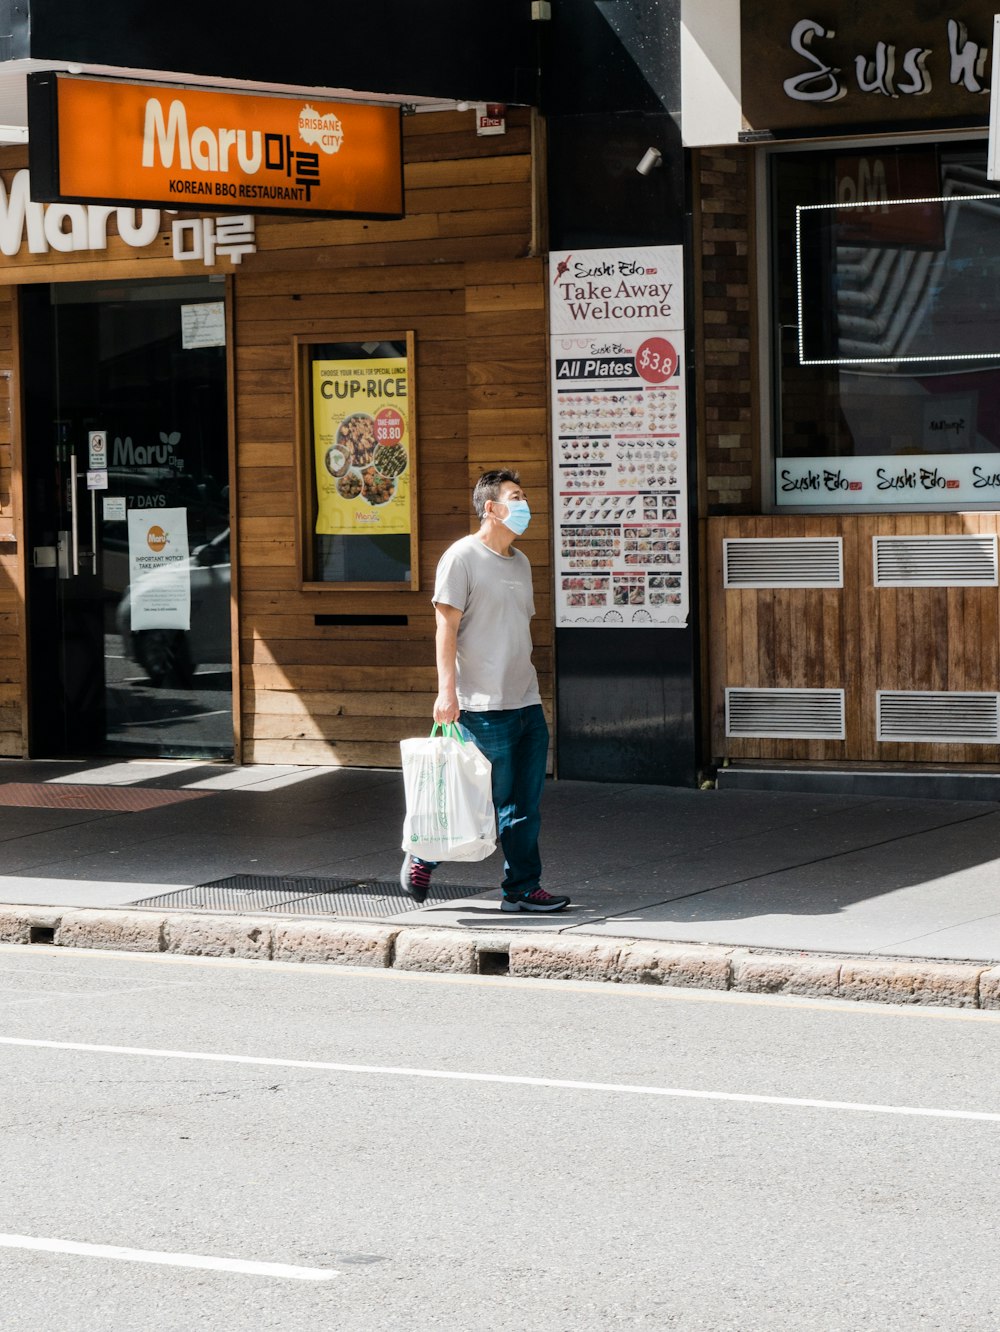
389,426
656,360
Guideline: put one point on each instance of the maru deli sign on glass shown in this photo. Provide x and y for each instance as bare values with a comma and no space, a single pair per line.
129,143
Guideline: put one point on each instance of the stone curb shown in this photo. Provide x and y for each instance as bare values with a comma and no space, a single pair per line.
559,957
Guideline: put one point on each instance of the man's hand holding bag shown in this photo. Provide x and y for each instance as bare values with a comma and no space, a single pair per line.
449,800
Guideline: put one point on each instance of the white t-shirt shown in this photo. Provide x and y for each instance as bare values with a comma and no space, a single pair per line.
495,596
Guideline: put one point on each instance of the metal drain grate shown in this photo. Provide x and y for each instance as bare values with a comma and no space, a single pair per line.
210,897
62,795
300,896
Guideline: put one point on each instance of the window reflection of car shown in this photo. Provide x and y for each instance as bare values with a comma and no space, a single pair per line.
150,489
169,656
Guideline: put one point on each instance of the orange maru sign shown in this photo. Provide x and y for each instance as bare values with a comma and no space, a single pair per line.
102,141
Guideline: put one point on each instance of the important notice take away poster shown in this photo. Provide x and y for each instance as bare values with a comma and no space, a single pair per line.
361,442
159,569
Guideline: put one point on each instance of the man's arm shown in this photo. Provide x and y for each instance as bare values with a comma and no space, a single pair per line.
447,619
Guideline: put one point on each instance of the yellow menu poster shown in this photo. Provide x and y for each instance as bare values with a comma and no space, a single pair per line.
361,439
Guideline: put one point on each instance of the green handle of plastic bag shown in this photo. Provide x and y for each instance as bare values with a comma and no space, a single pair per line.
448,729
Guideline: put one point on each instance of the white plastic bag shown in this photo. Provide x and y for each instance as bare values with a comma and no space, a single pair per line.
449,798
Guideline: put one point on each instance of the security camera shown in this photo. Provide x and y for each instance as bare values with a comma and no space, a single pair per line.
650,160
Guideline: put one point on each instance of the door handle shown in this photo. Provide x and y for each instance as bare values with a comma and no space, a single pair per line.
74,521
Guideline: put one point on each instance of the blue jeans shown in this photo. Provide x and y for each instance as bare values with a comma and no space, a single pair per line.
516,742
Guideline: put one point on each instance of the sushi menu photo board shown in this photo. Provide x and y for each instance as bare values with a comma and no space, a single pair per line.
619,438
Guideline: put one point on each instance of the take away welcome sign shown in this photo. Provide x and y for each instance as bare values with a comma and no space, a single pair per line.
108,141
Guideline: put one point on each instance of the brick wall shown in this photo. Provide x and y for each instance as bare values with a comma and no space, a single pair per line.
725,364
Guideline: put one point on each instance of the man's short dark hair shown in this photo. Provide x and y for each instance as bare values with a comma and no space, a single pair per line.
488,487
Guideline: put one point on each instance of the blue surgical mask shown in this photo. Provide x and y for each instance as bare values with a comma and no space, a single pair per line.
518,515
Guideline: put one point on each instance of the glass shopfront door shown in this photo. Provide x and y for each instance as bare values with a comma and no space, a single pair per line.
127,513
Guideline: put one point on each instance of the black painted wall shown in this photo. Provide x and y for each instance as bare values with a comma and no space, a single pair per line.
626,699
437,48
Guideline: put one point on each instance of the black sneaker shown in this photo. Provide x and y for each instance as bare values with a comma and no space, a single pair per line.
537,900
415,878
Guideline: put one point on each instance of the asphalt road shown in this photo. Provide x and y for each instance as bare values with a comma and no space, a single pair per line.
378,1150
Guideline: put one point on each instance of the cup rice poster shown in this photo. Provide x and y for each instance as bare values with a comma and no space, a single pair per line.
362,446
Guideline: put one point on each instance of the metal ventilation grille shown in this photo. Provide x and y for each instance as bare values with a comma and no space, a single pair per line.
793,714
935,561
938,718
783,561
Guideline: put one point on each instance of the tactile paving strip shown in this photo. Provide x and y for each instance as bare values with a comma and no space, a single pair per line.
63,795
294,896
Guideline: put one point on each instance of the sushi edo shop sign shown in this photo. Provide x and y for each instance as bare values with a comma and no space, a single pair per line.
122,143
864,62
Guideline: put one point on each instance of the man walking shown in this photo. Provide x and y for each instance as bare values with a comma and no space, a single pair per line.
483,605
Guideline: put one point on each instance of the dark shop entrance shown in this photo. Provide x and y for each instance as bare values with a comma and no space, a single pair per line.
127,514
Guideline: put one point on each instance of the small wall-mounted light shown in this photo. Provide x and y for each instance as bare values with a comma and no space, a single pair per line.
463,106
649,161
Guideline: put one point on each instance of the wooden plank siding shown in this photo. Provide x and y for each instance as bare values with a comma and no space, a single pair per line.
463,271
459,272
860,638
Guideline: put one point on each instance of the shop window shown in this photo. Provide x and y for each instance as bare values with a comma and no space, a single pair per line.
357,464
886,311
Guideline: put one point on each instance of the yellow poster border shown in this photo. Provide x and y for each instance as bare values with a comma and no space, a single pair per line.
303,355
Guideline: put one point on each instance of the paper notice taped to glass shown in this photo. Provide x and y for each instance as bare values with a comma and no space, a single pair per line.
159,569
203,325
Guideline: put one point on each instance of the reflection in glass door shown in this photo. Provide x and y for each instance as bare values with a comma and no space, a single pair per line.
127,509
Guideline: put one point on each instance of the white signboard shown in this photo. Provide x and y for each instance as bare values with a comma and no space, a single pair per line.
911,479
203,325
617,291
97,441
98,480
114,508
620,467
159,569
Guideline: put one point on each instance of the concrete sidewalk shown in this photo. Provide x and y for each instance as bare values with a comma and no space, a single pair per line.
743,872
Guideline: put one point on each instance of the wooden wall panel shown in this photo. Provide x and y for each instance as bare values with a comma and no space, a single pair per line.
459,272
860,638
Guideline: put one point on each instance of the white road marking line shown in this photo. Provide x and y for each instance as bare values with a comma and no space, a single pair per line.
505,1079
196,1260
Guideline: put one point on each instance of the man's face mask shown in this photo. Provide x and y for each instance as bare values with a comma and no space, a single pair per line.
518,515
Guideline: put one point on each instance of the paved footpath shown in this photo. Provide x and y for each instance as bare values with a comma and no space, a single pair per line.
850,896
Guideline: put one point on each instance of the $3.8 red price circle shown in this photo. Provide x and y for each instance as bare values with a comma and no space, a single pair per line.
388,426
656,360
